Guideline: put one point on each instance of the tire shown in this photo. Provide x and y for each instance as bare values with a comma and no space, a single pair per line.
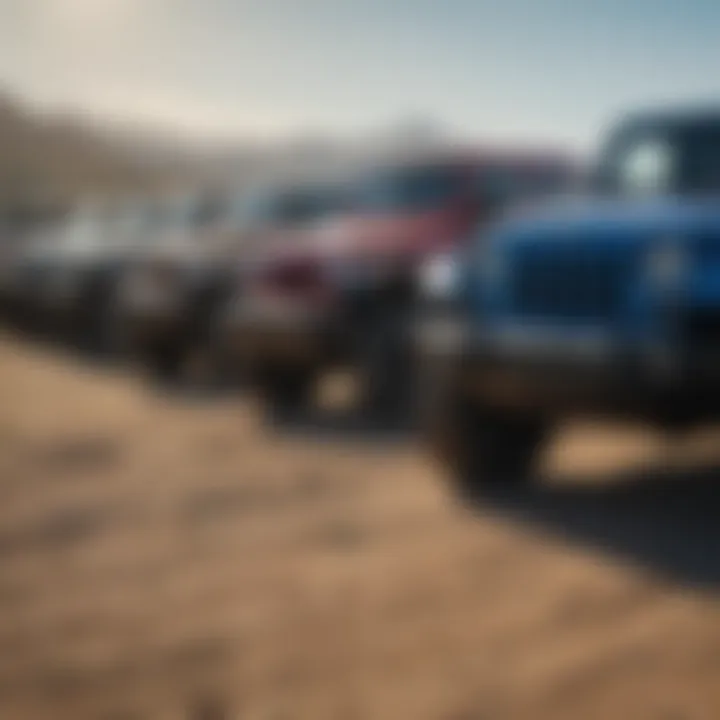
80,327
476,445
197,363
99,331
208,367
165,364
387,369
285,390
211,349
110,338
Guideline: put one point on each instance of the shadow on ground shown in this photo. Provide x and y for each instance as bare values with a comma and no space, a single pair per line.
346,425
666,521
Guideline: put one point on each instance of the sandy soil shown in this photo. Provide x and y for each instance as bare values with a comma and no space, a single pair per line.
167,557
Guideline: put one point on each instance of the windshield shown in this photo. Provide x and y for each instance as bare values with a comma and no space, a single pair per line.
698,158
682,159
191,213
504,183
408,189
287,207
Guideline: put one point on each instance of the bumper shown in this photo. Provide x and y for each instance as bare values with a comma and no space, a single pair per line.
571,374
267,330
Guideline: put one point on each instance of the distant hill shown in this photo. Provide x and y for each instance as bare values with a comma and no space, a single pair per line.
53,157
56,158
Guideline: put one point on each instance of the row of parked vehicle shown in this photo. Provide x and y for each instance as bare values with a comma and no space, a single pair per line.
280,282
458,286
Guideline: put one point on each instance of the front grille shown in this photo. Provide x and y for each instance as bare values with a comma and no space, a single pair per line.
706,249
580,282
701,330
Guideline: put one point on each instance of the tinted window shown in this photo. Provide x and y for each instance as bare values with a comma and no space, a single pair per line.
145,220
206,212
413,188
681,158
699,158
284,207
505,183
296,207
190,213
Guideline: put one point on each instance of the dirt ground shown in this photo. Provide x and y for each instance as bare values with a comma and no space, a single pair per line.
168,557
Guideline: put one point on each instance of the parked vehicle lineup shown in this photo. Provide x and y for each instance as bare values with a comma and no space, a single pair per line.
486,295
173,301
346,295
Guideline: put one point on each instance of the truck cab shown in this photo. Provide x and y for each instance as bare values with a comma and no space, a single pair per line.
607,303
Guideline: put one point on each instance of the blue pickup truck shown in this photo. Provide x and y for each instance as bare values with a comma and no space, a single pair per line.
606,303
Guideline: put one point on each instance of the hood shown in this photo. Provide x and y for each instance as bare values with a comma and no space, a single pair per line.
628,221
356,237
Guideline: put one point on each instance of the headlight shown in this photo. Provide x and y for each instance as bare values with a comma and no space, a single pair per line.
666,263
439,276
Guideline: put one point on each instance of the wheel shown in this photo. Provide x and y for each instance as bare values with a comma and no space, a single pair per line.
99,331
110,337
387,369
81,325
165,363
212,363
208,367
285,390
477,445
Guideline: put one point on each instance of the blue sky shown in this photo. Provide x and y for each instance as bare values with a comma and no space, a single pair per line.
505,69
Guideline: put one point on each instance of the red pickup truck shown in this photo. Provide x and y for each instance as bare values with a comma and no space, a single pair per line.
344,293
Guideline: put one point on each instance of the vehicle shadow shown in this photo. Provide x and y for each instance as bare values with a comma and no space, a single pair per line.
664,520
345,425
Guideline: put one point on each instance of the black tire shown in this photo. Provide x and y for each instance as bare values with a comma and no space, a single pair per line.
208,367
387,369
99,330
165,363
211,350
285,390
477,445
111,340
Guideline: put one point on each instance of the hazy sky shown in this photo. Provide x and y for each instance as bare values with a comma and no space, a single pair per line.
506,69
